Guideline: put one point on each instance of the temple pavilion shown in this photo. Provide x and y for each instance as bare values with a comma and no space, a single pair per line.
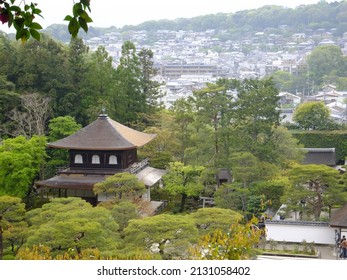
100,149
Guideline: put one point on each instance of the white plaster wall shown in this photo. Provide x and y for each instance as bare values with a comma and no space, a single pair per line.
298,233
104,197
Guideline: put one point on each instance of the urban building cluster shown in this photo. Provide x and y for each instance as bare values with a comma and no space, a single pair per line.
187,60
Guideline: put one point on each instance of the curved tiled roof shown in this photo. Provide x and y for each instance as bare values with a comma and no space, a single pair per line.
325,156
339,217
104,134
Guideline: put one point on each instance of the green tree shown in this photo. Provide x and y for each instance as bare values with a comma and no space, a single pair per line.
283,80
256,105
255,117
129,100
257,205
213,107
324,61
241,195
21,16
227,196
9,100
201,150
8,55
39,73
123,212
41,67
183,180
70,102
59,128
120,184
271,192
77,60
285,147
97,87
245,170
312,115
341,83
149,87
20,163
313,189
183,116
164,234
72,223
164,147
239,243
12,224
158,151
208,220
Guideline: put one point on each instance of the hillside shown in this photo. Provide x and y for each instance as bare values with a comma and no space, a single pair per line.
275,19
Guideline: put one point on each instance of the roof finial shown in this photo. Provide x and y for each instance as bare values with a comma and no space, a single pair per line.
103,112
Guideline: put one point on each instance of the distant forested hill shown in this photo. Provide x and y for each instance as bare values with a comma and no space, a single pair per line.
307,17
60,32
321,15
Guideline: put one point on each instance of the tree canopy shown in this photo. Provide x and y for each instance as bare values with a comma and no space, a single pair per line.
226,124
120,184
312,115
20,163
324,62
123,212
21,16
61,127
184,180
313,188
237,244
165,234
256,116
12,225
208,220
72,223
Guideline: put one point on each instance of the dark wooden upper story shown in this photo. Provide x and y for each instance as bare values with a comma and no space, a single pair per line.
98,159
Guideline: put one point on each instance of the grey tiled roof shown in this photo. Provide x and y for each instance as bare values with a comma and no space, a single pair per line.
104,134
339,217
326,156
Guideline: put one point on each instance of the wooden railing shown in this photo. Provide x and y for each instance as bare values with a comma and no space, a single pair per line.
133,169
138,166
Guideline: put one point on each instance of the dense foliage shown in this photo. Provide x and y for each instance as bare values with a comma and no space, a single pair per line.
313,115
20,164
70,228
13,228
44,79
52,90
325,139
21,16
120,184
75,224
313,189
235,244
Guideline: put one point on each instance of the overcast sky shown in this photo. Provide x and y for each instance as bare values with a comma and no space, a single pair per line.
118,13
